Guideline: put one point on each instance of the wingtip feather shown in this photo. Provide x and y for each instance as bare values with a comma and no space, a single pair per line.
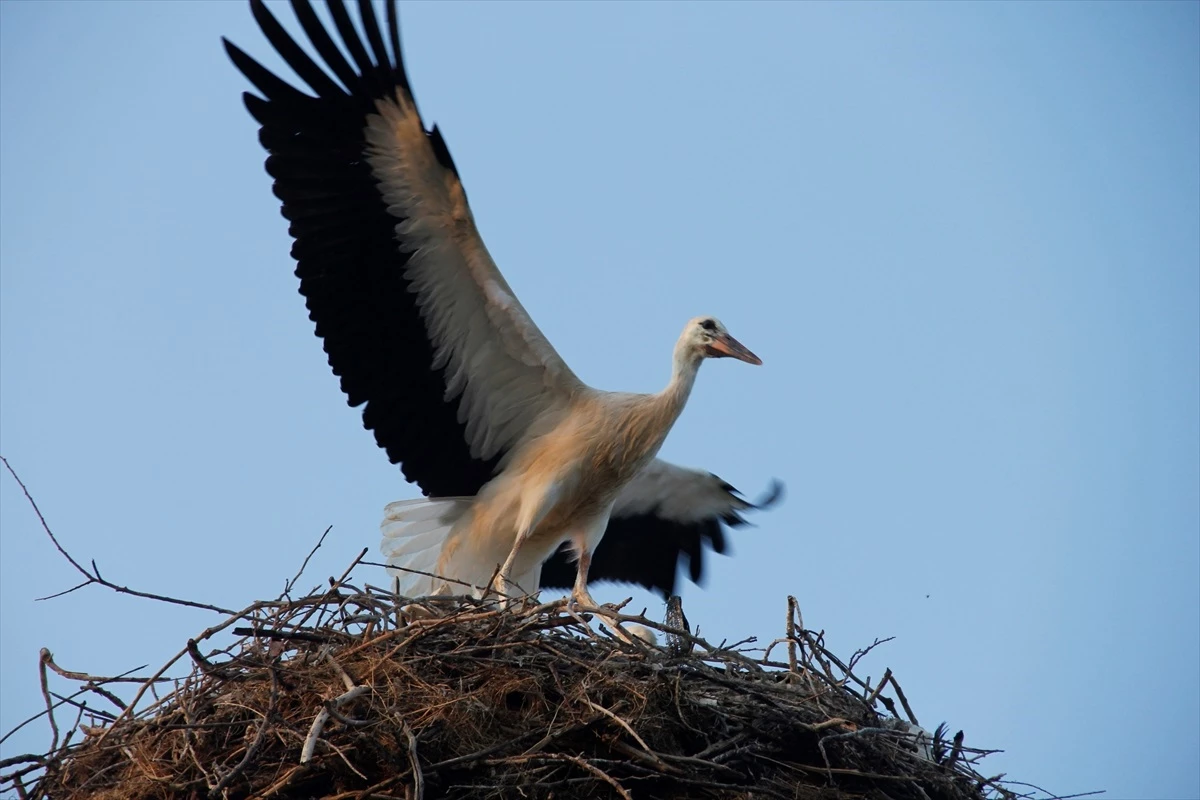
775,493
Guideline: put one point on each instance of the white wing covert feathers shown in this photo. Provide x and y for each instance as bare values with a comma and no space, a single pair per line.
495,359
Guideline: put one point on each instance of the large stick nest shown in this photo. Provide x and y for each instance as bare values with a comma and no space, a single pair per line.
357,693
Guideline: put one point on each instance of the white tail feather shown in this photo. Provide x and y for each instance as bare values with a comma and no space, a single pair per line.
396,550
413,534
399,538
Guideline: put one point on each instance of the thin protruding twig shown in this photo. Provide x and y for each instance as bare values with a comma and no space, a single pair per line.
41,714
95,577
206,666
287,587
43,658
904,701
860,654
83,706
955,749
793,611
333,587
283,636
84,677
887,675
42,519
397,568
22,759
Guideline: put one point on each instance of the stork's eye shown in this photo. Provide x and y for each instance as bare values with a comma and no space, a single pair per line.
708,325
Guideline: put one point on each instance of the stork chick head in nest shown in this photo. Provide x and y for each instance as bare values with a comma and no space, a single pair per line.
707,338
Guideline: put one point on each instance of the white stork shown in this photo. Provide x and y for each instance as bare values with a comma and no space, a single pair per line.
518,458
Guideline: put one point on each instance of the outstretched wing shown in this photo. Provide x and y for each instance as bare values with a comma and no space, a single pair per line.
667,514
417,321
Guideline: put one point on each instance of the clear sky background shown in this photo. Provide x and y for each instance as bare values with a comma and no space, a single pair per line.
964,238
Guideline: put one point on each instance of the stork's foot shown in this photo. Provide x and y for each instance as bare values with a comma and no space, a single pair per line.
583,602
507,593
504,593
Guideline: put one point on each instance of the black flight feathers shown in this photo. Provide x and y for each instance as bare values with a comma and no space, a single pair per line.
350,260
645,549
367,80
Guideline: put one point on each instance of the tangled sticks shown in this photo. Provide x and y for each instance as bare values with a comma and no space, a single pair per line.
346,693
342,694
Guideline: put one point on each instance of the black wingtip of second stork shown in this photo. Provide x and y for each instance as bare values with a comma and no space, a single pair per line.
775,494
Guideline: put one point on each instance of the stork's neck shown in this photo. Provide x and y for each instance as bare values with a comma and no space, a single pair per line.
685,365
643,425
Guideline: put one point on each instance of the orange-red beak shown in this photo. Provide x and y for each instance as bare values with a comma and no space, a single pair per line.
727,346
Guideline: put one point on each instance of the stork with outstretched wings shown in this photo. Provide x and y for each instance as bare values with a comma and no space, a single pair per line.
523,465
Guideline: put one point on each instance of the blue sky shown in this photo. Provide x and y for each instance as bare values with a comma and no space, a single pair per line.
964,238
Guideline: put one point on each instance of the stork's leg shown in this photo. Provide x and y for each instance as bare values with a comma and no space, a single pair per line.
580,595
533,510
503,583
584,543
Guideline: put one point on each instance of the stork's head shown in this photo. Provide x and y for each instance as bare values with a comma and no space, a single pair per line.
706,337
